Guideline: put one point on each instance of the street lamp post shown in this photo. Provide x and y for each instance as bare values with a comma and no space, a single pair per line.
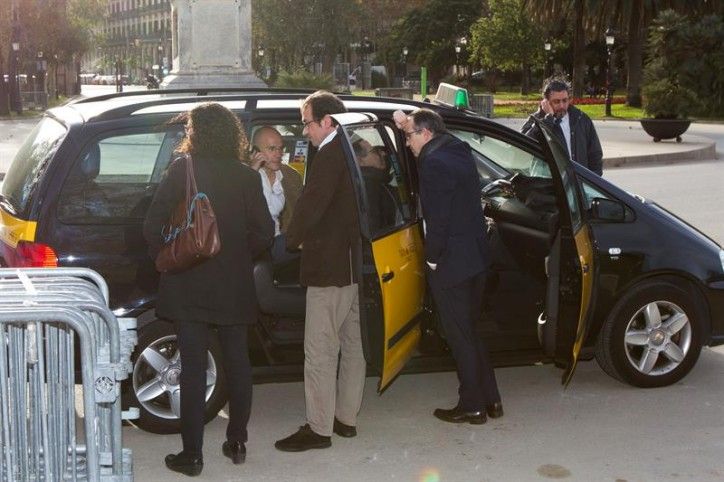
160,61
16,100
457,59
463,46
405,51
260,53
610,39
547,48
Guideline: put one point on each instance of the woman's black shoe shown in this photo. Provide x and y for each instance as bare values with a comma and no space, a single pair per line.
236,451
190,465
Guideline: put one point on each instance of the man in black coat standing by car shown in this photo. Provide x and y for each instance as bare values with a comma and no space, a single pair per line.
574,128
457,256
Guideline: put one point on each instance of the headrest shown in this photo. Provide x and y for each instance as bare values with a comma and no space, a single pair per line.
90,165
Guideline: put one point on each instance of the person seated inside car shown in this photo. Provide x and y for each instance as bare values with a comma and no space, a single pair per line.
382,197
282,184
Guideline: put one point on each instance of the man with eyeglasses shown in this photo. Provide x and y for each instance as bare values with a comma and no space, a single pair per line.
282,184
457,256
326,227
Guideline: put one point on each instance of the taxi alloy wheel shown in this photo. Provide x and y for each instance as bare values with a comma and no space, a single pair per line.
652,337
155,380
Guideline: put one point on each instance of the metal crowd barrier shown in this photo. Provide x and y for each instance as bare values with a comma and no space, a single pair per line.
53,324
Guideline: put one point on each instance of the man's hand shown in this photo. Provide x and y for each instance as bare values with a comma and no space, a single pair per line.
257,161
546,107
400,119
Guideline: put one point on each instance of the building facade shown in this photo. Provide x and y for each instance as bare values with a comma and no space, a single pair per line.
136,38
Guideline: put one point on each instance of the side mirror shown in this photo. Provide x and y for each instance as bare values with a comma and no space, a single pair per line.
608,210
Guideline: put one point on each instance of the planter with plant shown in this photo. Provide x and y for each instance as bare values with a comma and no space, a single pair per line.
666,101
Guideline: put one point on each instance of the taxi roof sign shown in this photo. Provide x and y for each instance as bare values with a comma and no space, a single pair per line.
452,96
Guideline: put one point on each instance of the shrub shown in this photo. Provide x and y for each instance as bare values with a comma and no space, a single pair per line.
665,99
302,79
685,66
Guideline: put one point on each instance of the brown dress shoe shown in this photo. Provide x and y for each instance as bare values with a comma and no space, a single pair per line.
344,430
457,415
303,439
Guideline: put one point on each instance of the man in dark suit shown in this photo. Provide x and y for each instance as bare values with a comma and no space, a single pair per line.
326,227
457,255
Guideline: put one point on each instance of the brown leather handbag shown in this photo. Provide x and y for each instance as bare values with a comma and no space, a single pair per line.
191,236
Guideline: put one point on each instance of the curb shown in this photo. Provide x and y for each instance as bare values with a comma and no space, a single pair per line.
704,153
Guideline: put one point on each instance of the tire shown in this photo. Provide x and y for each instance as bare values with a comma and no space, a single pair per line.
657,352
161,381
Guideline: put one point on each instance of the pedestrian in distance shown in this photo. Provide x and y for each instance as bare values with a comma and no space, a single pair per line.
573,127
457,257
325,226
218,294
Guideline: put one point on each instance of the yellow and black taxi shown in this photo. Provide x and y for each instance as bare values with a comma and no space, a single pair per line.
581,269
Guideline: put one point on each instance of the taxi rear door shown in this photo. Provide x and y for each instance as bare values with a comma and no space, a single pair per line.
392,281
577,268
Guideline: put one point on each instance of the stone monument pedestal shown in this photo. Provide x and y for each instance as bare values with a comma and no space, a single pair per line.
211,45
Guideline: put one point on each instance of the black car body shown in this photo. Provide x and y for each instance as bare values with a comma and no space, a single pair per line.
581,268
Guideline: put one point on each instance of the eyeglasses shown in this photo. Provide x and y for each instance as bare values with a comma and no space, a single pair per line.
305,124
409,134
279,149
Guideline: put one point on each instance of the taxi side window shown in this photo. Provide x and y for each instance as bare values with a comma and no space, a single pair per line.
388,205
114,178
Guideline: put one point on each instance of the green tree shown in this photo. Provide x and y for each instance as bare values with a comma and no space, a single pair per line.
297,33
507,39
431,31
630,18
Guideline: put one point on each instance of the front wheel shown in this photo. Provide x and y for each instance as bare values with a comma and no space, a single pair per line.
154,384
653,335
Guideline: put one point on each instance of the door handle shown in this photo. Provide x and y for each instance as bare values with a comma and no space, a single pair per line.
387,276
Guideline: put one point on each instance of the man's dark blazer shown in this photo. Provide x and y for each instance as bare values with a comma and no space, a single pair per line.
450,195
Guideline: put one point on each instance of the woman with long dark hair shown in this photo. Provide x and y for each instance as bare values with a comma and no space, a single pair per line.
218,293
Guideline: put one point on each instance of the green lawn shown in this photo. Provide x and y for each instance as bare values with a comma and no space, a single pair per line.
528,104
618,111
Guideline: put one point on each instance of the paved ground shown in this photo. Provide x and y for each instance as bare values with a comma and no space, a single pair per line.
596,430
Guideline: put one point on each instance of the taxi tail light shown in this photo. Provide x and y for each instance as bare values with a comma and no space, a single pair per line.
35,255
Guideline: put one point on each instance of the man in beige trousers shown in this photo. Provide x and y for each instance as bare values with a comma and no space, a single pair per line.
325,225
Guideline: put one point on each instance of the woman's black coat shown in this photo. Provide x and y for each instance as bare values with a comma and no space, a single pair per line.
221,289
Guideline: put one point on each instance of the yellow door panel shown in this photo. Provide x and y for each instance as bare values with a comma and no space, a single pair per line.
399,262
584,247
13,229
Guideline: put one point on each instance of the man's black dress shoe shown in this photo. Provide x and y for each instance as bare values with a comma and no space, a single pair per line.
494,410
343,430
186,464
236,451
303,439
456,415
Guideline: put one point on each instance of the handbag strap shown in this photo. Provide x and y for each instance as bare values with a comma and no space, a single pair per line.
191,188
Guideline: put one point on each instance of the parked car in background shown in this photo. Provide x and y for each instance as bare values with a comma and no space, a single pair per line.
581,268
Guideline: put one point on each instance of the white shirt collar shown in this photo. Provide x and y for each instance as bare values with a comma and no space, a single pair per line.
328,139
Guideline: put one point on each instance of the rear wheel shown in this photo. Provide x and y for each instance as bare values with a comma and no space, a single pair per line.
653,335
154,385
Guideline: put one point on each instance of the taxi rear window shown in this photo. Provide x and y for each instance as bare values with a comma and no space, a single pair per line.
27,167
